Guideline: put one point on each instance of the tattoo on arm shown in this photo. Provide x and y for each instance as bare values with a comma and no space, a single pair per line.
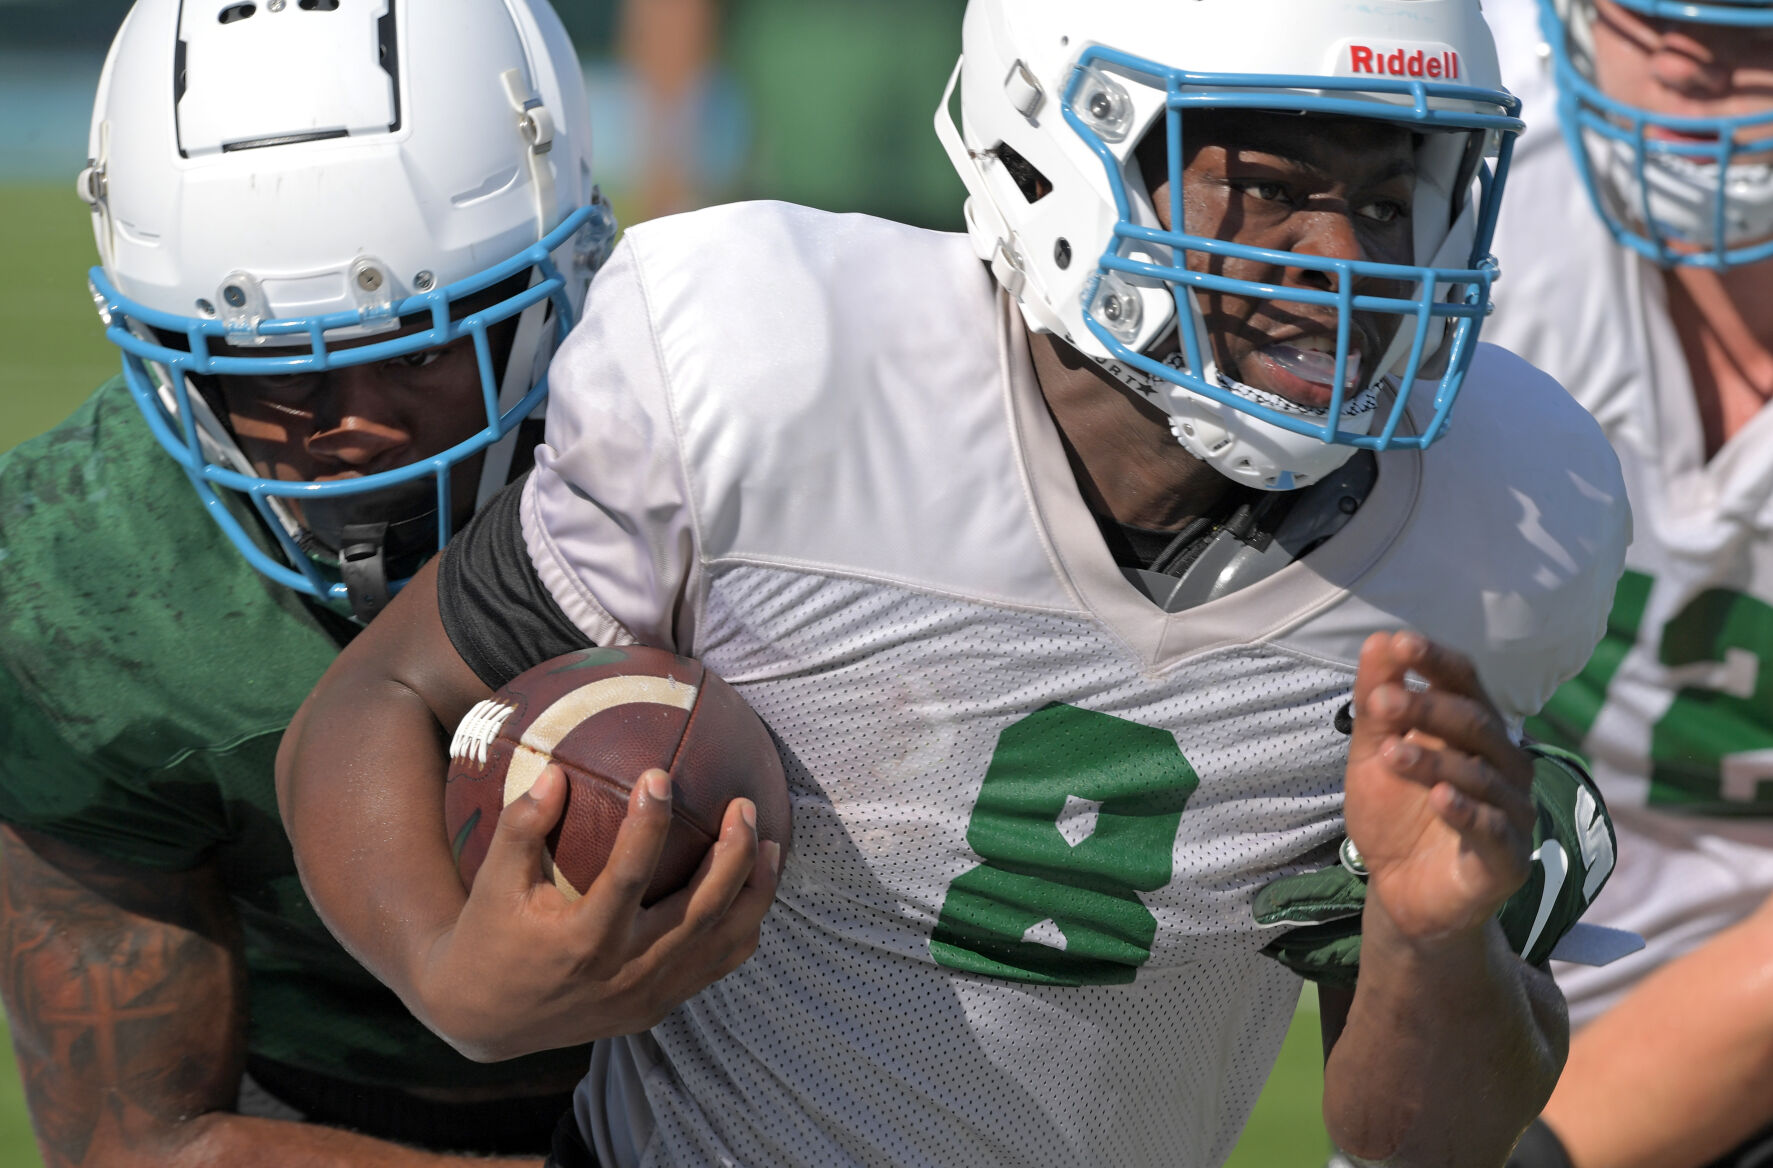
125,994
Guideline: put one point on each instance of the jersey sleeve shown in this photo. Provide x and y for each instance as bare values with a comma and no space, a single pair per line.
94,796
498,614
1557,529
607,514
1513,543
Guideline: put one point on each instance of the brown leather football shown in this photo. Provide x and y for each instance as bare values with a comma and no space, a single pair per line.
607,715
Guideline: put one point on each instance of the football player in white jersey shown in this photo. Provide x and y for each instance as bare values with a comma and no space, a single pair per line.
1639,250
1057,556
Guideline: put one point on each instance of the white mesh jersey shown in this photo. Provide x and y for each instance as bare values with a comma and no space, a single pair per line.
1031,810
1675,710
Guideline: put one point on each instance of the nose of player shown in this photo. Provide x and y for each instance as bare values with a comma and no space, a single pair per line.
359,444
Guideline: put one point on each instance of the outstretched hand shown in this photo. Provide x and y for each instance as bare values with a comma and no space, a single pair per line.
1438,799
526,968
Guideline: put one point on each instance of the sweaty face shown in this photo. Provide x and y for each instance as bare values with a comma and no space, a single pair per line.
1336,188
1682,69
360,420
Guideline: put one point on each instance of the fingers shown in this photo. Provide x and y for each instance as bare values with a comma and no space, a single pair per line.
768,867
694,936
1380,663
1440,666
514,857
1453,711
1501,844
726,868
604,964
731,892
1465,790
729,864
728,901
617,892
1451,719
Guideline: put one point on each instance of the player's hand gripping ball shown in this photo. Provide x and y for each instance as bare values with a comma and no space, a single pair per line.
606,716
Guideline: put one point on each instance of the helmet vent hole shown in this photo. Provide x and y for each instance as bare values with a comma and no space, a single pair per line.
235,12
318,5
1034,185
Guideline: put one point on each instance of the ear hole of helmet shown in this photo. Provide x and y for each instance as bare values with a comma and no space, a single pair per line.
1034,185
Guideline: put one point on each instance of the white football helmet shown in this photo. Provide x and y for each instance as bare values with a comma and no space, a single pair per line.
281,176
1687,199
1073,89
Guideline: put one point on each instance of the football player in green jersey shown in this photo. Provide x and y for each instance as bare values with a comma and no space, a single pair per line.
1639,252
335,305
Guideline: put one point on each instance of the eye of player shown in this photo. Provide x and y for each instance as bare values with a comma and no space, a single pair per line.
419,360
288,387
1266,189
1380,209
1385,210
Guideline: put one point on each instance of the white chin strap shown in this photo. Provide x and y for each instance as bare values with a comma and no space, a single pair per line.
1682,194
1241,446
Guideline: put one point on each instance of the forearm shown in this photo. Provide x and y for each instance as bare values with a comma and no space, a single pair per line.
361,775
1681,1070
126,997
222,1138
360,778
1450,1048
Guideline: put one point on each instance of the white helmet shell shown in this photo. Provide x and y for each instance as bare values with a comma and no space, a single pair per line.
1021,60
288,176
290,142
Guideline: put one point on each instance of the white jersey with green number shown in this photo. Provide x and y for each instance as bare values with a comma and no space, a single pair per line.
1675,710
1031,810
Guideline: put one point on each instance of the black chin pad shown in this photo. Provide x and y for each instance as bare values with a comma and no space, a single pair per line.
363,567
408,512
376,537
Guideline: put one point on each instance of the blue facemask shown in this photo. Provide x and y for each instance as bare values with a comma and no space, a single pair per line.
397,518
1690,201
1441,314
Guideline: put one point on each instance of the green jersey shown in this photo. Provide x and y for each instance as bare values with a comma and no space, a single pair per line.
147,674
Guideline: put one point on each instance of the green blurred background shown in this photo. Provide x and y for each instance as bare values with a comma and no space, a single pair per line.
744,126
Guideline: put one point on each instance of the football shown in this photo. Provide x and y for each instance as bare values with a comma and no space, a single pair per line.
607,715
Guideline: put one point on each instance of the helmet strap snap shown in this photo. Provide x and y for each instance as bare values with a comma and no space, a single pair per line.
364,569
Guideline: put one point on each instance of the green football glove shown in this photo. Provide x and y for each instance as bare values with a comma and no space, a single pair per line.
1573,850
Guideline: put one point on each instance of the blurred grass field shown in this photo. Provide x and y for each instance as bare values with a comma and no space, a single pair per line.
56,356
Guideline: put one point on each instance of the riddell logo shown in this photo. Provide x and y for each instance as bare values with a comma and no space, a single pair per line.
1436,66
